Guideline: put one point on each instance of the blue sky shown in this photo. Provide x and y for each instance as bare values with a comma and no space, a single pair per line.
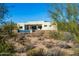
23,12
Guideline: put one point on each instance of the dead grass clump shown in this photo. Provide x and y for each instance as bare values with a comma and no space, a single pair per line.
54,35
40,50
76,51
48,43
57,51
63,44
46,34
35,52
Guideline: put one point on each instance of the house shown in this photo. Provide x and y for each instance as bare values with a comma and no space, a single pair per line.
36,25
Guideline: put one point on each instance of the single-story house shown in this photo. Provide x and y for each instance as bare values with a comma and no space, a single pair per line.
36,25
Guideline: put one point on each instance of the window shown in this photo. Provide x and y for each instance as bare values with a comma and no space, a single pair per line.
20,27
49,25
45,25
26,27
40,27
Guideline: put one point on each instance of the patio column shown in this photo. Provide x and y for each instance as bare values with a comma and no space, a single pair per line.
37,27
30,27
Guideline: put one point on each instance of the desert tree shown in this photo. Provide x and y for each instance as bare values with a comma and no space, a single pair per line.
5,47
3,12
66,16
9,26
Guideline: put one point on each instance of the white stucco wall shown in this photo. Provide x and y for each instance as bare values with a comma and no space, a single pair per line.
53,27
21,24
47,27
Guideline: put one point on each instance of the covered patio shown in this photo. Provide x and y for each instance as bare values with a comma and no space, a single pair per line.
33,27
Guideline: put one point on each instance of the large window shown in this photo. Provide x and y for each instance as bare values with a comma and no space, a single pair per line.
20,27
40,27
45,25
26,27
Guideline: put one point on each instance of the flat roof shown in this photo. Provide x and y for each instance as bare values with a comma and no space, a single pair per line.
35,22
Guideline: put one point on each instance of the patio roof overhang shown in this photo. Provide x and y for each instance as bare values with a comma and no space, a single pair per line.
33,24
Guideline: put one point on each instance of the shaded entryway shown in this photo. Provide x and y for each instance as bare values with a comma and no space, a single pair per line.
33,27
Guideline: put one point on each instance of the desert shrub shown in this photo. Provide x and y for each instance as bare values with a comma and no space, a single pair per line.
12,35
55,35
55,52
35,52
37,33
27,43
67,36
6,48
41,38
76,51
65,45
46,34
76,38
48,45
29,46
9,28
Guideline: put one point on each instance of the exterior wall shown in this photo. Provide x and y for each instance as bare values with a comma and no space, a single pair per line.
54,27
21,24
48,27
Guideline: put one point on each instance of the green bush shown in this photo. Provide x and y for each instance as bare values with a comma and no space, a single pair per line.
66,36
76,38
6,48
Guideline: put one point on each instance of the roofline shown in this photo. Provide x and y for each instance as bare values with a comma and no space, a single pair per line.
34,21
